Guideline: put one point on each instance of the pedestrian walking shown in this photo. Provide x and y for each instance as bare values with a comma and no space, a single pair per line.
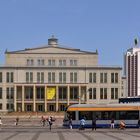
70,123
17,121
43,120
50,122
112,123
122,125
0,122
82,124
139,123
94,124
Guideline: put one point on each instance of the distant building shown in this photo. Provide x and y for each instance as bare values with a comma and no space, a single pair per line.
51,77
132,70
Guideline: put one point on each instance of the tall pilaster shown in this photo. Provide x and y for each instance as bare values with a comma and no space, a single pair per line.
79,95
56,98
15,98
23,99
34,97
45,101
68,95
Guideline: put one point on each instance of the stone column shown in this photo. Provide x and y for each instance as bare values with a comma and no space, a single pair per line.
23,99
34,98
56,98
79,95
15,98
68,95
45,100
87,95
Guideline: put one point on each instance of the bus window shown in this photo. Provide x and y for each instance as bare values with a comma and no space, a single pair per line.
129,115
71,115
85,114
106,115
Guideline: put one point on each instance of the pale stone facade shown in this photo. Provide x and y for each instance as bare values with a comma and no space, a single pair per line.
51,77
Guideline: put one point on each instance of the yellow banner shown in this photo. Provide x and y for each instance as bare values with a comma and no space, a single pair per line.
51,93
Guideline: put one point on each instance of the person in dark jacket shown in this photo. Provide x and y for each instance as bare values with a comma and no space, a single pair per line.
139,123
94,124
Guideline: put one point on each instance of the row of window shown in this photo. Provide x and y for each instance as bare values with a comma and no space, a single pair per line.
9,93
103,77
62,93
51,77
8,106
51,62
62,77
103,93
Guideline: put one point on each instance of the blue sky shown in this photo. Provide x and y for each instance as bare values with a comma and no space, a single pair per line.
109,26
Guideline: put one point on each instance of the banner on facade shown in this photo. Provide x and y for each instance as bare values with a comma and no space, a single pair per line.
51,93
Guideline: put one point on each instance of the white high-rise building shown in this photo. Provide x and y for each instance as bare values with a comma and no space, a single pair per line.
132,70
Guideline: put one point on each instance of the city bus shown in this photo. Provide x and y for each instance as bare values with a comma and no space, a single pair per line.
129,113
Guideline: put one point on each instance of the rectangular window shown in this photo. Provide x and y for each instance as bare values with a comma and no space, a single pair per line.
40,62
28,93
62,93
0,106
29,77
9,92
103,93
30,62
0,92
40,92
9,77
7,106
116,93
0,77
112,93
40,77
73,62
105,77
73,77
94,93
51,62
62,62
90,77
112,78
90,93
51,77
62,77
101,77
116,77
73,93
94,77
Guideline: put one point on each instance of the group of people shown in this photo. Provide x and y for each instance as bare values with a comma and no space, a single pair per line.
122,124
43,121
49,121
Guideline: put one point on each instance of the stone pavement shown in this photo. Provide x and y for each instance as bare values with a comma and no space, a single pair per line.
67,134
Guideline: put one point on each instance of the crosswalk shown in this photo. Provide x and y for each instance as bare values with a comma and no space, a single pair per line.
70,135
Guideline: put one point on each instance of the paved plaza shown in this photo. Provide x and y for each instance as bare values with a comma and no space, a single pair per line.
31,133
32,129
